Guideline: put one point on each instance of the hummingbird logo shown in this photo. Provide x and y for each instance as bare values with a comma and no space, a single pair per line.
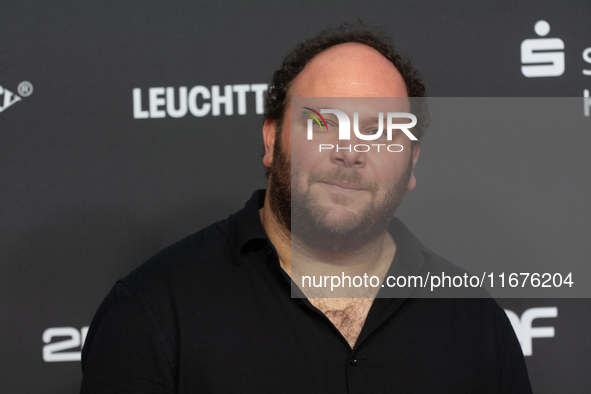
316,118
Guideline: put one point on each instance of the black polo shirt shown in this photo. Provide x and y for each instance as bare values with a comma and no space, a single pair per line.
213,314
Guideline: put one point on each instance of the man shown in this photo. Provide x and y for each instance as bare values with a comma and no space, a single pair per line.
214,312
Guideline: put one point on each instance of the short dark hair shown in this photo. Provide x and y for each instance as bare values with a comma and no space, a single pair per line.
296,60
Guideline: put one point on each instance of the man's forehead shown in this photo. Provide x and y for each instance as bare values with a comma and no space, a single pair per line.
363,106
349,70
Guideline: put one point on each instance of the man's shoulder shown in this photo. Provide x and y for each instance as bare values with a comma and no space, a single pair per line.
187,260
440,264
449,289
201,260
438,272
417,256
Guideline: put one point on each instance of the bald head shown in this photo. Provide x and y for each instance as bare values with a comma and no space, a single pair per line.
349,70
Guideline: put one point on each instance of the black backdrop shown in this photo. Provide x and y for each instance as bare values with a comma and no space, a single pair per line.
90,188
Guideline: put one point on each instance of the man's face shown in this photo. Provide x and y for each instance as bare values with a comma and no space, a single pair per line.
340,196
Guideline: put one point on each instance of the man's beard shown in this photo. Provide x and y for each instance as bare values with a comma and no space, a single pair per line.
301,215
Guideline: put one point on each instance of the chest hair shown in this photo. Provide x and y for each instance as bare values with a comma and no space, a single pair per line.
346,314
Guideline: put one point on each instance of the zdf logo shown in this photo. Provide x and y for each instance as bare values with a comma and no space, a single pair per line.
544,56
523,326
70,339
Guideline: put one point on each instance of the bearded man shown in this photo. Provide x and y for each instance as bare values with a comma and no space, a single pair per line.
225,310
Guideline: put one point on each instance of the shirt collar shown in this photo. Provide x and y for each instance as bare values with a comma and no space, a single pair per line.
409,247
249,230
251,235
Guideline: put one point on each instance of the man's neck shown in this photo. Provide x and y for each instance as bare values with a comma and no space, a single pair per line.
347,311
279,236
374,257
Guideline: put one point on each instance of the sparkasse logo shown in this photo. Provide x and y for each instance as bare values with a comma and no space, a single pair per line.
544,56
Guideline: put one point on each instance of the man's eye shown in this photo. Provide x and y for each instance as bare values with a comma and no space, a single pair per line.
315,126
373,132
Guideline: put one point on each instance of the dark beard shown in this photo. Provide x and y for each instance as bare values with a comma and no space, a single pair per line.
280,184
305,220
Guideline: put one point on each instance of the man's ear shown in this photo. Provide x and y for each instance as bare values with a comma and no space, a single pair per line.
416,150
269,133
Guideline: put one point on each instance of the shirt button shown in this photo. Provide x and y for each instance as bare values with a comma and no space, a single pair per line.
269,252
353,362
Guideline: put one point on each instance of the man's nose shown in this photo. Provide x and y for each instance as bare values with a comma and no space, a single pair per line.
344,154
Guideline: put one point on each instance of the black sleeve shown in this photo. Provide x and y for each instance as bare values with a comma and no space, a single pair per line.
124,351
515,379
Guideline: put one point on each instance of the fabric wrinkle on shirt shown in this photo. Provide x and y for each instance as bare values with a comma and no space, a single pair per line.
213,313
